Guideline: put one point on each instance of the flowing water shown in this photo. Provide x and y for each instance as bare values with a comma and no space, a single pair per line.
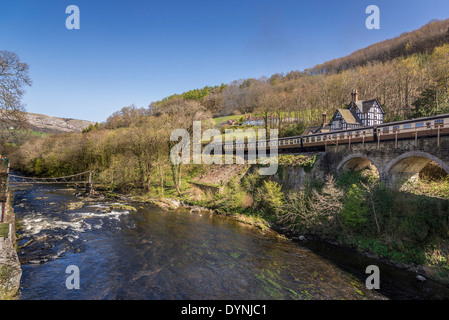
157,254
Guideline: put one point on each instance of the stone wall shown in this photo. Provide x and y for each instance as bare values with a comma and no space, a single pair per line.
10,269
292,177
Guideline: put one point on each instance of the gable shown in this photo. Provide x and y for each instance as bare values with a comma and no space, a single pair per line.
337,116
345,115
366,105
378,106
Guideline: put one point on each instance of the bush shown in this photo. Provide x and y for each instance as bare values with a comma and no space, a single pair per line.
297,212
273,195
252,181
315,213
354,212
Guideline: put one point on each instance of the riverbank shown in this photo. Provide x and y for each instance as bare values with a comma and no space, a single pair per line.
415,273
419,272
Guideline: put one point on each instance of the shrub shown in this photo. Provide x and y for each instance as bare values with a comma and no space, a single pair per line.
247,201
328,203
297,212
315,213
252,181
354,211
273,195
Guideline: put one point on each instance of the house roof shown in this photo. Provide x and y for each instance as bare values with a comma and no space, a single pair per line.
316,129
311,130
230,122
348,116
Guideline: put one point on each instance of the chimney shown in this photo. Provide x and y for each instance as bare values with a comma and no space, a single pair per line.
324,119
355,95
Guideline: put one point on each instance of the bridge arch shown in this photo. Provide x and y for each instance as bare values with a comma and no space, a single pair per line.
407,166
357,162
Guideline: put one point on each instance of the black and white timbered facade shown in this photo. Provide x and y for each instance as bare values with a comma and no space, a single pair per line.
343,119
358,114
369,112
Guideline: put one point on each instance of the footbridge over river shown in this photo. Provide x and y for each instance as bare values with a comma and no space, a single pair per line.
397,161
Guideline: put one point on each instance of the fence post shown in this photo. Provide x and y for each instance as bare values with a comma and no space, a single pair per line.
396,140
378,140
416,138
89,188
438,137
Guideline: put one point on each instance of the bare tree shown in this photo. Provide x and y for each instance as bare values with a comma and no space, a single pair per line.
126,116
180,113
13,78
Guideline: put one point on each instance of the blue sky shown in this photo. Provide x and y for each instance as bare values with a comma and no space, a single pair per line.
136,52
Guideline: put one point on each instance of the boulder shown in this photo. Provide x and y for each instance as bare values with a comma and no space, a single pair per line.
420,278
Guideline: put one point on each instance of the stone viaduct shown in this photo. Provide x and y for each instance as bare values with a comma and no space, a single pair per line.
396,163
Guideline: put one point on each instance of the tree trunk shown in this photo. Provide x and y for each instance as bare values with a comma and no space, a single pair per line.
148,178
179,175
176,171
161,179
175,178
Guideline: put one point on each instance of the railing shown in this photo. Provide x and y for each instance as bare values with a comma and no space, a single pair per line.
7,179
75,178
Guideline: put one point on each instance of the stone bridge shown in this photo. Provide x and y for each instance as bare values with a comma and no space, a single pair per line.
395,164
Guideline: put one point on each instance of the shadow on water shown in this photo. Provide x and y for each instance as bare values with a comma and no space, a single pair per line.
394,283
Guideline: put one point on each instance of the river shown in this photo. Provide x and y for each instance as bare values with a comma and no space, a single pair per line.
157,254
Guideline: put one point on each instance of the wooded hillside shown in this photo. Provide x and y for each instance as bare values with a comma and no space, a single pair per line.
407,74
414,83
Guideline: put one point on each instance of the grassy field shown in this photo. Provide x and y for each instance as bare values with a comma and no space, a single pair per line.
38,134
222,119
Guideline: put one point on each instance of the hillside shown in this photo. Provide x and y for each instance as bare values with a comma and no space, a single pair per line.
422,40
408,74
48,124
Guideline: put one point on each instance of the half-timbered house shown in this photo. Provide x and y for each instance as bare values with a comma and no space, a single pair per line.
358,113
